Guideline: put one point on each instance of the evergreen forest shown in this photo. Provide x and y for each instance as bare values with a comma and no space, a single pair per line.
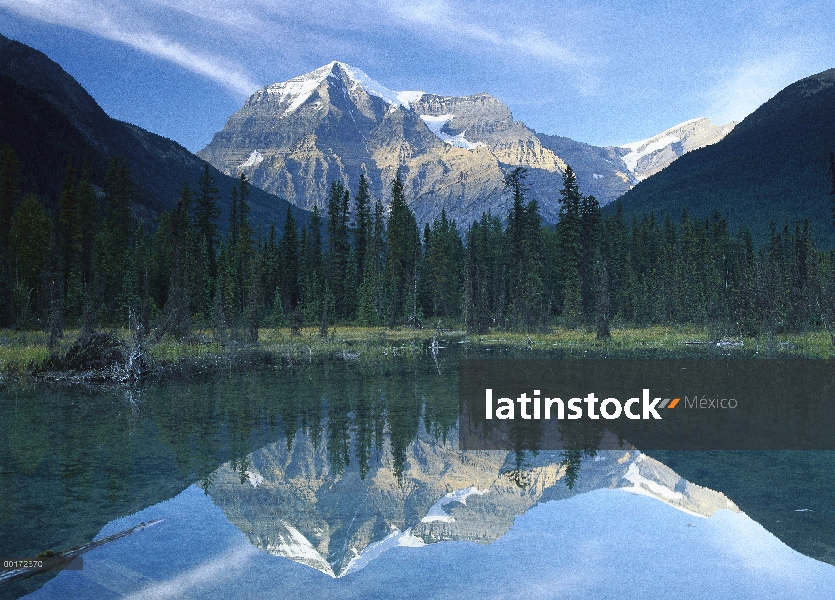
93,264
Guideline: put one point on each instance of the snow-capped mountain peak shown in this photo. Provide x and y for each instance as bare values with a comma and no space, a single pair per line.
358,77
646,157
296,91
293,138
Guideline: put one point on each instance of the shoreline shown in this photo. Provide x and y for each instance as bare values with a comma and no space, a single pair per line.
25,355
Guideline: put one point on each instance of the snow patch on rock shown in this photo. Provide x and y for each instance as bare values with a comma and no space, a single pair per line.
436,124
638,150
437,512
253,159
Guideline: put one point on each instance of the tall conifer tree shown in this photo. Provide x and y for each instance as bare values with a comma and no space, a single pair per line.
402,252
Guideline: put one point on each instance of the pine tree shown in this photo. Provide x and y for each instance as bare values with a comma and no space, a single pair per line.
591,221
177,306
569,247
224,289
30,235
443,273
114,240
526,311
206,213
248,267
426,291
615,250
485,285
402,252
271,267
255,303
361,227
314,280
603,307
373,291
338,264
476,298
289,262
140,275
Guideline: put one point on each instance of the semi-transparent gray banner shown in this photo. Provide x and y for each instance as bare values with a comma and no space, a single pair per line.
577,404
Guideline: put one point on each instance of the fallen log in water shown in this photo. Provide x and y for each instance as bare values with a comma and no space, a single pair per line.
65,558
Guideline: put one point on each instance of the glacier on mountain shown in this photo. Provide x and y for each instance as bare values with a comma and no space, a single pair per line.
436,126
643,148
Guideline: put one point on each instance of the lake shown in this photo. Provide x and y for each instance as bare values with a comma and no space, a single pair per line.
344,479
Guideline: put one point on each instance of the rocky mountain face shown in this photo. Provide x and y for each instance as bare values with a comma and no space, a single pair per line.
293,138
47,117
292,503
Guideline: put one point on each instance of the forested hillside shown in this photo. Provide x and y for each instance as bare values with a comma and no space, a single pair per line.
47,118
774,166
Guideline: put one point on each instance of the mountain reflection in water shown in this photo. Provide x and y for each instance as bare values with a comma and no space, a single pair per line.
600,543
291,502
330,465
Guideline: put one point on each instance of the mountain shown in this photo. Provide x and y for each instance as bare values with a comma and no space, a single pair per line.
291,502
293,138
647,157
47,117
609,172
773,166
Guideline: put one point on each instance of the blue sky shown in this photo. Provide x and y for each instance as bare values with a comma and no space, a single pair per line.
598,72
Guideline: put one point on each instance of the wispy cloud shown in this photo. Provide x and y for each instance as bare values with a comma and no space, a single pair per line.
206,36
743,89
120,23
459,22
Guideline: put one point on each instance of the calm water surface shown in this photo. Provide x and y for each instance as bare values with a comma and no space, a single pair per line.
326,465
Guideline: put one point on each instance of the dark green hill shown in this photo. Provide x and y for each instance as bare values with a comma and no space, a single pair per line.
47,117
774,166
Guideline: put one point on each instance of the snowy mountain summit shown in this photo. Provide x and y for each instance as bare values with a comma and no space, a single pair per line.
336,122
295,137
290,95
646,157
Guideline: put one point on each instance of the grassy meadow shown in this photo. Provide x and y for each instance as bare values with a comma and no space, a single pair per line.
24,352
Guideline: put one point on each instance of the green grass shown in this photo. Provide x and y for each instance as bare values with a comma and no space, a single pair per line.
23,352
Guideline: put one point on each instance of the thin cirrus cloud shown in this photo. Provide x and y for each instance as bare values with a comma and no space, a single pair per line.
201,36
430,18
746,87
119,23
455,20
